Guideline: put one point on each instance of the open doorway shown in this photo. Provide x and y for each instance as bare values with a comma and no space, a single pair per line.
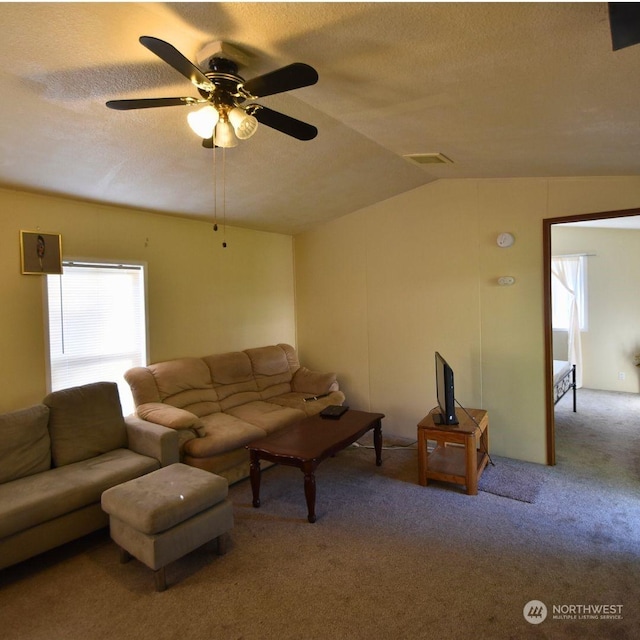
548,227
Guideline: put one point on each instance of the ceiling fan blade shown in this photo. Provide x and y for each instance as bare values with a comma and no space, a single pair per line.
148,103
174,58
283,123
207,143
293,76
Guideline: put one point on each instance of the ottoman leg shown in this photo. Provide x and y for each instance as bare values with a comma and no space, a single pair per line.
160,579
125,556
222,542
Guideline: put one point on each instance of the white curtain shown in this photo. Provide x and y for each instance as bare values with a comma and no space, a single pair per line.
568,271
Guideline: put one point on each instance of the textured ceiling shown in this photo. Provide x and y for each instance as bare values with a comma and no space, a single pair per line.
504,90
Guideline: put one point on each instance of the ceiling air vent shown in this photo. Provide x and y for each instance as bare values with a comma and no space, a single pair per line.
429,158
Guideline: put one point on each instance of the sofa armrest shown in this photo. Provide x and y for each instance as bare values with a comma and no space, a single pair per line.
312,382
152,440
168,416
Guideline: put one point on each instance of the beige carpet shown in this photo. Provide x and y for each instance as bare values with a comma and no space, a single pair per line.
386,558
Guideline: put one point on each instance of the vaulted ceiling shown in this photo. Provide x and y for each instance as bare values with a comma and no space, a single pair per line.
501,89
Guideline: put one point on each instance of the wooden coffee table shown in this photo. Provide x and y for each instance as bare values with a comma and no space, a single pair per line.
306,444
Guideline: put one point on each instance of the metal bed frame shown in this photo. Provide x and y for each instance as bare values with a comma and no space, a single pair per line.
565,384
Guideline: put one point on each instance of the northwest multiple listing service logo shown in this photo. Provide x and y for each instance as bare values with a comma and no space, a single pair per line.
536,612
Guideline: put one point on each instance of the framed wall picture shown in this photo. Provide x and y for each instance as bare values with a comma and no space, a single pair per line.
40,253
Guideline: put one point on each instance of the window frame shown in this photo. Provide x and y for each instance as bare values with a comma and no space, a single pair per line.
93,263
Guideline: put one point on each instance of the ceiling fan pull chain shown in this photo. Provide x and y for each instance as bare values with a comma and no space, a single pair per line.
215,192
224,197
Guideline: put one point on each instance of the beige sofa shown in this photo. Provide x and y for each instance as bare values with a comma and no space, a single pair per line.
221,403
56,459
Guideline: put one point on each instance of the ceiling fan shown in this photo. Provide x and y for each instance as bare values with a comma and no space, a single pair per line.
223,117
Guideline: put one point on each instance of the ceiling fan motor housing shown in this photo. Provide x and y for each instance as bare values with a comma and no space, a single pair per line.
223,66
223,74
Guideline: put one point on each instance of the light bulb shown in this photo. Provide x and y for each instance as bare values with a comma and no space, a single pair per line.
203,121
224,135
244,124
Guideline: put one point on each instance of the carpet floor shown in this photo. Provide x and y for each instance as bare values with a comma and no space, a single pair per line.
386,558
512,479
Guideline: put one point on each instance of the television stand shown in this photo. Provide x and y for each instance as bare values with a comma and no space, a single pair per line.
439,420
461,452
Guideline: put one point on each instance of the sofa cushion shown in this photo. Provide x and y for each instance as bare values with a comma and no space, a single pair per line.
25,447
30,501
271,371
266,415
232,465
221,432
292,356
269,361
232,378
165,498
84,422
186,383
303,402
312,382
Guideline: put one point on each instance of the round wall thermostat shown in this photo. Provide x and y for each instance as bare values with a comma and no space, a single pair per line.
505,240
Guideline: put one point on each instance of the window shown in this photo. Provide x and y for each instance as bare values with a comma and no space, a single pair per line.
568,281
97,325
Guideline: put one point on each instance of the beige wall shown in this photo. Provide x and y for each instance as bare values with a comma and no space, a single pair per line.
613,280
376,293
380,290
201,298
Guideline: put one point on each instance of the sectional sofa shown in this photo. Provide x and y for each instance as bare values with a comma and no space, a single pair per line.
56,459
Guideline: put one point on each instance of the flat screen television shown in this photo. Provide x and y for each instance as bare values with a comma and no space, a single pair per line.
445,393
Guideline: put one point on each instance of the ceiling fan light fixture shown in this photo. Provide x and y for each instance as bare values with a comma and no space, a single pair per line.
243,124
225,137
203,121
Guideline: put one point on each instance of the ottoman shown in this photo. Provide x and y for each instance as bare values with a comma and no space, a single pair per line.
162,516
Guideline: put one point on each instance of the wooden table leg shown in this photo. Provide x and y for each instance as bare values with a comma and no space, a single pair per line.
310,490
254,474
377,442
471,457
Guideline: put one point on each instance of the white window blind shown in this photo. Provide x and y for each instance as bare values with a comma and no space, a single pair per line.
97,325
